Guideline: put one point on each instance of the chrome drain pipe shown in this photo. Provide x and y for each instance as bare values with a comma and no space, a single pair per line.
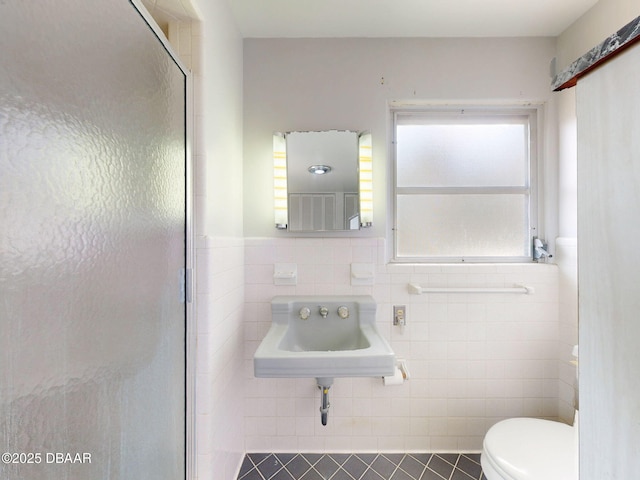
324,384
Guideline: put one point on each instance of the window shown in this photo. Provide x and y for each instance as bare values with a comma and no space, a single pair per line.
464,184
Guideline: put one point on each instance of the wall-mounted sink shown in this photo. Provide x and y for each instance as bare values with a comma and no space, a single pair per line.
323,337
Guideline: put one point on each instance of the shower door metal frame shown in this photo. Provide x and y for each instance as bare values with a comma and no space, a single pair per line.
189,274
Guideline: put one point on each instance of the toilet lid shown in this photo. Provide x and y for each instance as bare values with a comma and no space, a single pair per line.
532,449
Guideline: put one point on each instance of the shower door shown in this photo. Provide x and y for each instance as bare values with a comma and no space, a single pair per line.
92,244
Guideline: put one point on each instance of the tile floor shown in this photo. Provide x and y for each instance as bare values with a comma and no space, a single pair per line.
361,466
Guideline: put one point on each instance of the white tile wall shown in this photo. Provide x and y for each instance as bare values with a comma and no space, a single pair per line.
567,260
219,299
219,384
219,259
219,304
474,358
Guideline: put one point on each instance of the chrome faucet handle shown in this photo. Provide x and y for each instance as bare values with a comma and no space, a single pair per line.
324,311
304,313
343,312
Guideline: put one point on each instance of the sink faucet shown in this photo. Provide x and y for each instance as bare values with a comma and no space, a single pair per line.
324,311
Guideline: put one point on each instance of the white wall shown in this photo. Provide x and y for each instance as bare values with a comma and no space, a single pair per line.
567,158
217,67
474,359
316,84
603,19
308,84
566,259
566,252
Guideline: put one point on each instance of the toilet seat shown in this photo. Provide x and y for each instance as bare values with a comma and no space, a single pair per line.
530,449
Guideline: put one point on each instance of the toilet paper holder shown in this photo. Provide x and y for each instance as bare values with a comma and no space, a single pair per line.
400,376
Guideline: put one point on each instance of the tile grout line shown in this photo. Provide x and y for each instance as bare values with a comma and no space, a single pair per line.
346,472
398,467
454,468
425,465
255,467
340,465
368,466
308,466
290,461
437,473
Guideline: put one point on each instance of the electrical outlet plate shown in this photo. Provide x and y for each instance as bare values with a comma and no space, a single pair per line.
399,314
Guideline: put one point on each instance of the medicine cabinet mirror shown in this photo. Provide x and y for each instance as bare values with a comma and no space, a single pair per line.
322,180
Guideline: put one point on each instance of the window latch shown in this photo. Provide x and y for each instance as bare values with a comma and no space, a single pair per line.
540,250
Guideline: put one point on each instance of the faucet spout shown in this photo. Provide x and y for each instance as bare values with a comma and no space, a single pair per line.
324,311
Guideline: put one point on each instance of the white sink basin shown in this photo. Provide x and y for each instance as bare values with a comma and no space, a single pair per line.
344,343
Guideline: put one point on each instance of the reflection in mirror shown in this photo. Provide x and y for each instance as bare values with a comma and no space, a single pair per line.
318,180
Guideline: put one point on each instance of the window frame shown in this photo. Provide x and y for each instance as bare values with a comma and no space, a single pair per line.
534,113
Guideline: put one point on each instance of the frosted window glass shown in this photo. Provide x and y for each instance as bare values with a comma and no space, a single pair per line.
465,186
92,242
461,225
437,155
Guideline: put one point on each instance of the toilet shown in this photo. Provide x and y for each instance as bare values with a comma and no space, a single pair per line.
532,448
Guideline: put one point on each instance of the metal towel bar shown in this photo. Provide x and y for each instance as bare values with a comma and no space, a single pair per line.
416,289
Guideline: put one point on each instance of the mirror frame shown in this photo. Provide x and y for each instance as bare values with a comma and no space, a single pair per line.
364,174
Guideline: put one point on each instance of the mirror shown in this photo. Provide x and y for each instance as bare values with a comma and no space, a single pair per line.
321,171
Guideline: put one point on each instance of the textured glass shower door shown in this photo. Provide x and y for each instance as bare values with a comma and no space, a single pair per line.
92,244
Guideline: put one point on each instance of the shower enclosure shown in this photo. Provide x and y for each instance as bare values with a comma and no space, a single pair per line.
93,244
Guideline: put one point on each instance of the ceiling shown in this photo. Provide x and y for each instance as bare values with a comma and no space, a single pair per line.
405,18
